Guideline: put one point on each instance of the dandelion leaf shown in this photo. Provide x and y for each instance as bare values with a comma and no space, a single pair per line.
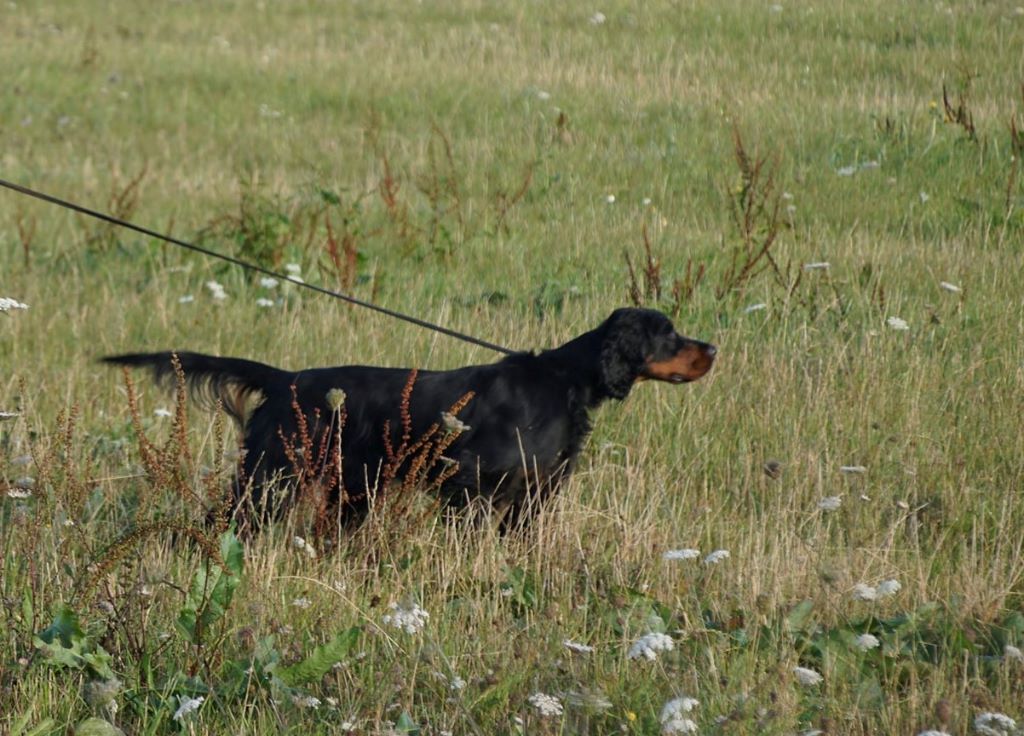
65,644
320,660
212,589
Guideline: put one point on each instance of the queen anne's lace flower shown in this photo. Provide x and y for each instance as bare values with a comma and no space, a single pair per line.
547,705
411,620
577,647
187,705
807,676
673,716
865,642
717,556
887,588
830,503
216,290
681,554
648,646
995,724
7,304
864,592
300,543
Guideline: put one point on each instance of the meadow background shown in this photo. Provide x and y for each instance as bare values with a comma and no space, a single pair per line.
491,166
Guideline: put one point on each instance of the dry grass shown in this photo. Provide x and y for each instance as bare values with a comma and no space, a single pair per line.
456,163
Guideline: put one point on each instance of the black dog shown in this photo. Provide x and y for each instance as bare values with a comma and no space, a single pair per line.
517,437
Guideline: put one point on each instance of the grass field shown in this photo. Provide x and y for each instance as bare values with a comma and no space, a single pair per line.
492,167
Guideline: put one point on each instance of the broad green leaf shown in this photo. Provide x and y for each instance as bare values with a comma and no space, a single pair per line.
97,727
407,725
65,644
320,660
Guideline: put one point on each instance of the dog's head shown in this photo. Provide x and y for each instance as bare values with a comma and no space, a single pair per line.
641,344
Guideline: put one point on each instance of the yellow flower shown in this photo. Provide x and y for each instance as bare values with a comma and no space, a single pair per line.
630,715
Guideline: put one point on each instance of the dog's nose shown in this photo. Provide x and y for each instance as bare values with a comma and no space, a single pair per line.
710,351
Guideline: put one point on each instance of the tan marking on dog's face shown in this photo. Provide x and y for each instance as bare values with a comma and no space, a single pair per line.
690,363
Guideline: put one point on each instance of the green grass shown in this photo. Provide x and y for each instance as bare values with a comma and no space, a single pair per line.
256,123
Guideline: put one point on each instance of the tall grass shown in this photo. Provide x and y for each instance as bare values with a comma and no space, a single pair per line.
493,167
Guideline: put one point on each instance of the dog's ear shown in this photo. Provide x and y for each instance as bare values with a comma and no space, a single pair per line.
622,354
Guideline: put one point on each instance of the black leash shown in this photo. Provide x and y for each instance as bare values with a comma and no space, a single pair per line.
251,266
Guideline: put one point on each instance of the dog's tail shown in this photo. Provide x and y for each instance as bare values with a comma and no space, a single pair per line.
232,381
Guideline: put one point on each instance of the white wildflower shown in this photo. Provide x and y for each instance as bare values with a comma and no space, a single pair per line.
187,299
853,469
577,647
187,705
830,503
776,8
18,493
457,683
923,196
681,554
411,620
646,201
887,588
807,676
306,701
933,733
760,306
676,707
162,412
717,556
648,646
610,199
898,324
452,423
216,290
9,414
864,592
268,282
847,171
678,725
995,724
817,266
865,642
597,18
266,111
1013,653
870,165
300,543
293,269
7,304
302,602
336,398
946,286
542,95
547,705
264,302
